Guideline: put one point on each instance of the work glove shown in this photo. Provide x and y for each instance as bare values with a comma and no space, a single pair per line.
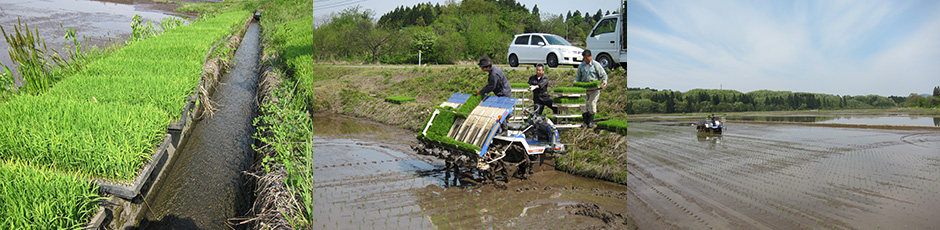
533,87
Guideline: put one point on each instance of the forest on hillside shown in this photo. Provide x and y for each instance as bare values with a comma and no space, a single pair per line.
445,34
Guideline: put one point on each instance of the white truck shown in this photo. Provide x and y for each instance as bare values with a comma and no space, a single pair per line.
608,40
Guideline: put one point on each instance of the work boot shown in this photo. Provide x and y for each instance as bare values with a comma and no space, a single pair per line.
590,120
584,118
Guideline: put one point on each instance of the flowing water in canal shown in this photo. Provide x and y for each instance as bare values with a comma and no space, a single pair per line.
205,186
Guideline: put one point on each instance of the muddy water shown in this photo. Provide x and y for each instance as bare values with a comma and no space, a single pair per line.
367,177
102,22
783,177
205,186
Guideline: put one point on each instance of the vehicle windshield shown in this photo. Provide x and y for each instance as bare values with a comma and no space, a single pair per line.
556,40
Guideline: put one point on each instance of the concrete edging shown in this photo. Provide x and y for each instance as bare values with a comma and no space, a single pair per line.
177,133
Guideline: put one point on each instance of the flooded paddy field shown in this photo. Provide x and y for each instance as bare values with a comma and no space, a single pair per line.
901,120
770,176
98,23
367,177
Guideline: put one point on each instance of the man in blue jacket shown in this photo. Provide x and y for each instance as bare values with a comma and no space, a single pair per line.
497,82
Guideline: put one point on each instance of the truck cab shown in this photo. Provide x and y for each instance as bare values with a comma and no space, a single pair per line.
608,41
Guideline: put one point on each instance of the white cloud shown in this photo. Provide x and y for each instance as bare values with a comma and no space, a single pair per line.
808,47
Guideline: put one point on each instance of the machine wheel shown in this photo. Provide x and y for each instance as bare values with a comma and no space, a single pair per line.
606,61
513,60
552,60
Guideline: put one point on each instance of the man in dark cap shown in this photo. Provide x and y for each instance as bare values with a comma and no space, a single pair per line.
497,82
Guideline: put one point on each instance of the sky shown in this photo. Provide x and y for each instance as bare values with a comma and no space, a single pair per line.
380,7
835,47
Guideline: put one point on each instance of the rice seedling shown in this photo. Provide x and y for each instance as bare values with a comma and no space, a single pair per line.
34,198
568,100
100,140
569,90
519,85
593,84
399,99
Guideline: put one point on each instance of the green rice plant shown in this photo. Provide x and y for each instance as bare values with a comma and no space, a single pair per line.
569,100
102,140
34,198
619,126
399,99
519,85
28,53
570,90
437,133
593,84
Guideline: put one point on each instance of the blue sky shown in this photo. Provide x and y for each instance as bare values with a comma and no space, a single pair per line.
837,47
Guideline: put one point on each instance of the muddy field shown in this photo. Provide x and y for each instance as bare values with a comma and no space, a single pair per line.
367,177
771,176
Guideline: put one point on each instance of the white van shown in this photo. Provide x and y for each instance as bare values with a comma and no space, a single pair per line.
535,48
608,41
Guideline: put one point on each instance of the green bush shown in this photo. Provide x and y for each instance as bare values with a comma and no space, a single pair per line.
570,90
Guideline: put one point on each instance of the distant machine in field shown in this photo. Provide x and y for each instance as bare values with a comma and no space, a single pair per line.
712,125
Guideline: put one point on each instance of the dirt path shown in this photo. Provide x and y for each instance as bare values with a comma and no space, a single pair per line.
783,177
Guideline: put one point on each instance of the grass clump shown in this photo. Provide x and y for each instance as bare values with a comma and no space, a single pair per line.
619,126
568,100
593,84
33,198
399,99
570,90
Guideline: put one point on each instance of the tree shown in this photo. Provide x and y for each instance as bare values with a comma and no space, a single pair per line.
598,15
936,91
608,13
535,10
568,17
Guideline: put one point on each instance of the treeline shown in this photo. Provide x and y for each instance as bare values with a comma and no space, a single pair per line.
916,100
712,100
443,33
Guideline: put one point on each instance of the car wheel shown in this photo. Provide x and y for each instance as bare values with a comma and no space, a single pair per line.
552,60
606,61
513,60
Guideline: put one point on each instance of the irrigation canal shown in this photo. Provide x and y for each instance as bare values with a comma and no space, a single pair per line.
204,186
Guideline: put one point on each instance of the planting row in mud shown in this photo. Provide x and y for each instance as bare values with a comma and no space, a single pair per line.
101,124
813,184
